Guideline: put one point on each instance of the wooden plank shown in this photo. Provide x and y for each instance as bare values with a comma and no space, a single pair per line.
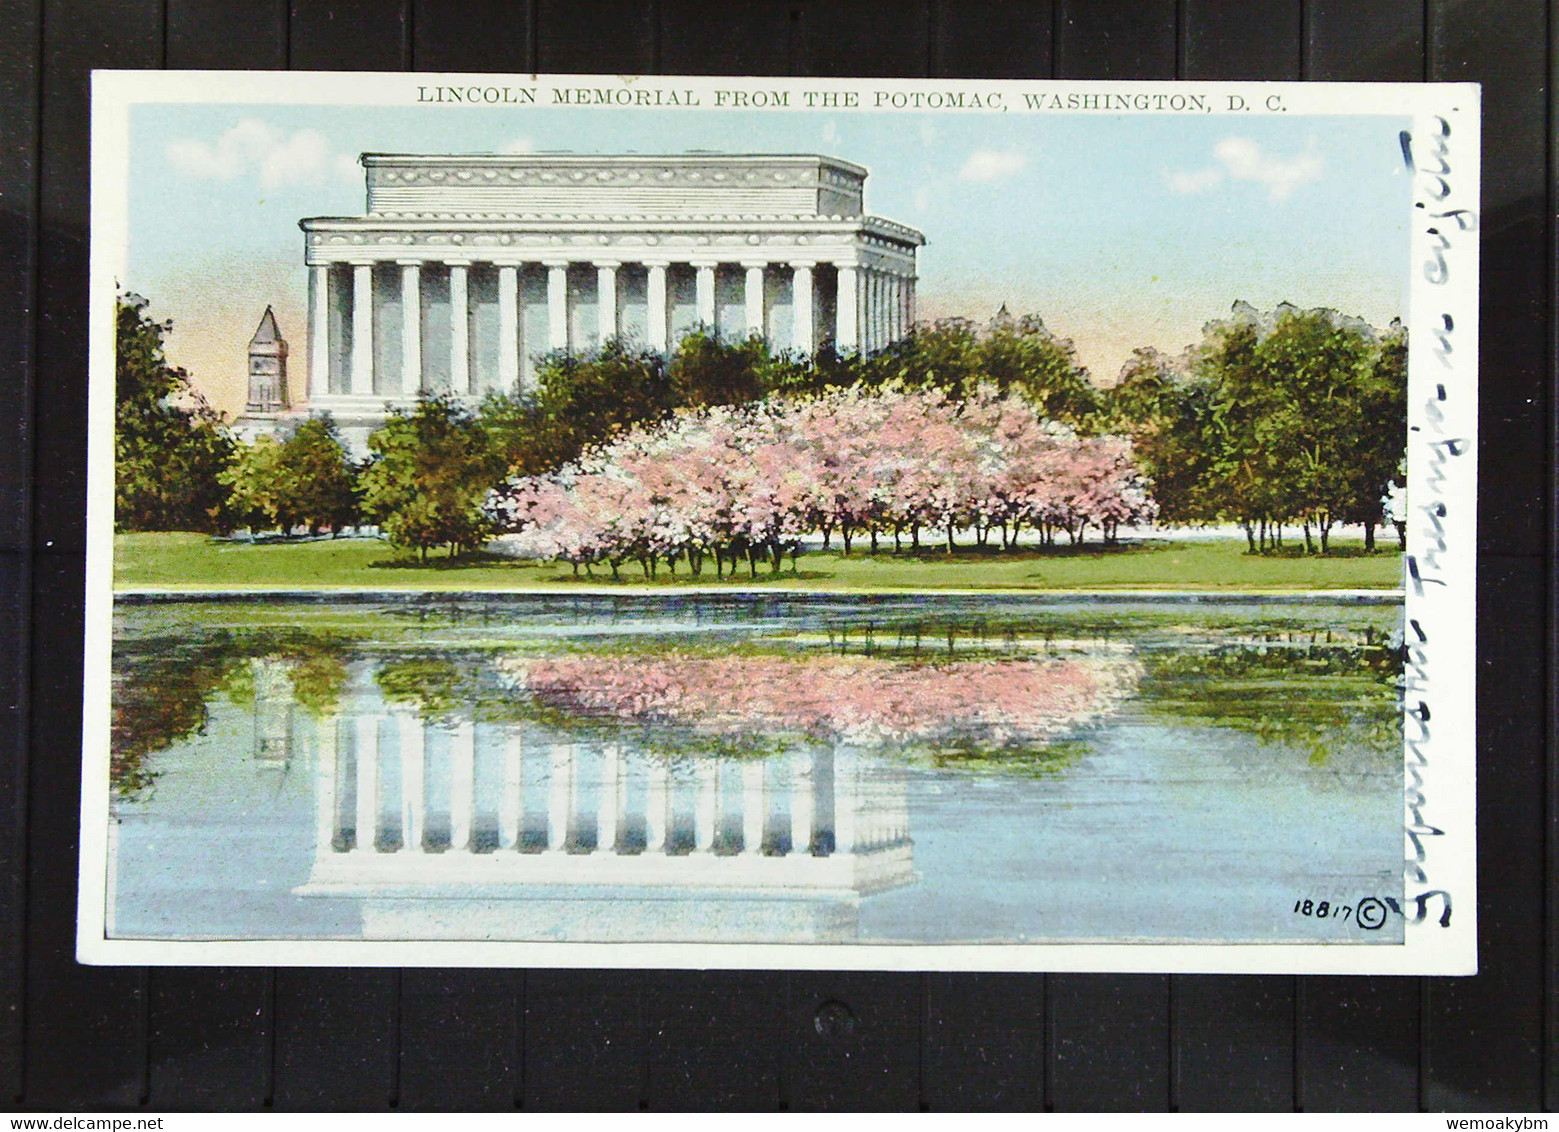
21,29
1109,1043
1227,41
1234,1043
1357,1044
1364,40
460,1041
985,1043
472,35
85,1027
336,1039
350,35
853,1041
234,35
713,1040
714,37
209,1039
584,1040
1003,40
866,38
596,37
1116,39
1483,1036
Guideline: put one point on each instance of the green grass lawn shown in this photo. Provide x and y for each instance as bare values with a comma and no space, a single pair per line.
195,562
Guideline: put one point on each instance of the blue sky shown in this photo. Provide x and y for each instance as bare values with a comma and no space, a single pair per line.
1118,231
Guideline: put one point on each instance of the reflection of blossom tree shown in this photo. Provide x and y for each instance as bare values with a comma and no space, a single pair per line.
857,700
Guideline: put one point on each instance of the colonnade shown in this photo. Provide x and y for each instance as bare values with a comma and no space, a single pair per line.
872,306
555,797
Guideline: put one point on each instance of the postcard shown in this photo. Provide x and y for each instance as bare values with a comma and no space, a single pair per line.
605,521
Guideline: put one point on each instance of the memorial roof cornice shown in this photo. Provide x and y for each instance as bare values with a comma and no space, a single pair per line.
505,222
577,160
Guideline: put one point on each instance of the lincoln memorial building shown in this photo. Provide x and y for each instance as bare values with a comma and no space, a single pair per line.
466,269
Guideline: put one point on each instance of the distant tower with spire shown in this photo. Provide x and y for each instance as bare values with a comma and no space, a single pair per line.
267,399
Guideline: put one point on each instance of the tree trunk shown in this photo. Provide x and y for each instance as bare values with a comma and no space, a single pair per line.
914,536
950,536
1250,535
874,537
1326,530
1309,546
1369,537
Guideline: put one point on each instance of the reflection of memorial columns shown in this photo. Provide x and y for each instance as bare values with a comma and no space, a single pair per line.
557,304
366,728
657,806
801,306
462,785
459,329
754,807
326,802
413,746
511,807
847,308
609,803
508,327
411,327
560,797
706,804
704,292
655,303
363,329
846,798
801,808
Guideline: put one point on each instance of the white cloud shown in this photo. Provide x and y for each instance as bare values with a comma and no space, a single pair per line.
1245,161
830,133
303,157
518,145
991,165
1240,159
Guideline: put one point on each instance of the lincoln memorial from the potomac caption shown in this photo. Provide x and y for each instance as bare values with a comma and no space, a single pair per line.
467,268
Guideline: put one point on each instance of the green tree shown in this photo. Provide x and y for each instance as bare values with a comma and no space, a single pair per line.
170,447
320,477
583,398
430,470
258,492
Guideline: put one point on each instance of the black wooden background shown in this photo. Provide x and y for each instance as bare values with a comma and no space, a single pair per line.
74,1037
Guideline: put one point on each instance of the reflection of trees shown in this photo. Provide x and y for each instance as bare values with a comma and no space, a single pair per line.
1319,697
163,688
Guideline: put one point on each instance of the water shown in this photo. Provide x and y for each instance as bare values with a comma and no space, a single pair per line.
778,769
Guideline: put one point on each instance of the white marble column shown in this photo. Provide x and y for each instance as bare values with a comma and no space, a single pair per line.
413,743
508,327
657,806
655,302
606,300
411,327
511,805
801,807
557,304
362,329
868,309
753,296
608,804
801,307
755,807
560,797
847,308
704,292
459,330
909,303
325,798
319,330
462,784
367,819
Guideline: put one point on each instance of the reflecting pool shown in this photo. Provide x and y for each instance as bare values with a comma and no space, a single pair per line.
769,768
